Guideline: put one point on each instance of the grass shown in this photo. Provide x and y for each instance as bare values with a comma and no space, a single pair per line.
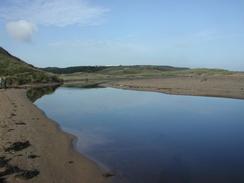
111,74
84,79
17,72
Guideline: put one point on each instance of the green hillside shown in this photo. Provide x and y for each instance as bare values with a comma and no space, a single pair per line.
111,69
17,72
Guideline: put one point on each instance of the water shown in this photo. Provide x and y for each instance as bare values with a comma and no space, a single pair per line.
148,137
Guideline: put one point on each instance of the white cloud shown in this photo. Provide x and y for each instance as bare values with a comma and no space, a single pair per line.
53,12
21,30
21,16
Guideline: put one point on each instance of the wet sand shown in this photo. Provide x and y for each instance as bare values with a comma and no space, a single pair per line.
34,149
229,86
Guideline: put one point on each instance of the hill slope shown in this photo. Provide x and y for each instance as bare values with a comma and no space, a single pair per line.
111,69
18,72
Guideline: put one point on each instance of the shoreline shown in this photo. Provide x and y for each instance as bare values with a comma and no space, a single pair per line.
166,92
210,87
50,153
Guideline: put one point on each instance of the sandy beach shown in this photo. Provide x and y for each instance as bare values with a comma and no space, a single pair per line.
229,86
34,149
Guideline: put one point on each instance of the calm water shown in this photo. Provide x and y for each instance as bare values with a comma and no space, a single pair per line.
148,137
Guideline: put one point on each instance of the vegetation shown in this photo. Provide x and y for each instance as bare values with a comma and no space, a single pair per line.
70,70
137,72
93,75
111,69
35,93
17,72
129,72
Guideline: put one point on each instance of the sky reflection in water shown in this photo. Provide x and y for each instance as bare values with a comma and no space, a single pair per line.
151,137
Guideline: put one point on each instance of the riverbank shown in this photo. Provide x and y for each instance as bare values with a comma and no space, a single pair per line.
34,149
229,86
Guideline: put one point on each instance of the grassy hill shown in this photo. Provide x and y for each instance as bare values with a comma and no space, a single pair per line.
93,75
17,72
111,69
90,76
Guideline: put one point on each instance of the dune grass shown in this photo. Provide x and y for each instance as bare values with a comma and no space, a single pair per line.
17,72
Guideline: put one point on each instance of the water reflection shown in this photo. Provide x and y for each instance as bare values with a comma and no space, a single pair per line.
35,93
154,138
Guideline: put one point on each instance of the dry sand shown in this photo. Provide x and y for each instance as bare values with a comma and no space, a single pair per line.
229,86
49,158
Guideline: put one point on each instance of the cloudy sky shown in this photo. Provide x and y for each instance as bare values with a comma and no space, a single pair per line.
192,33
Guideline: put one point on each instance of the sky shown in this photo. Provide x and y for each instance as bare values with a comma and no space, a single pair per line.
186,33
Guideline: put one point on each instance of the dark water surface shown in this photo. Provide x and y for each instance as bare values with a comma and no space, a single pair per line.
148,137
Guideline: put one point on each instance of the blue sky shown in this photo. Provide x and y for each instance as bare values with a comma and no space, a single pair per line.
191,33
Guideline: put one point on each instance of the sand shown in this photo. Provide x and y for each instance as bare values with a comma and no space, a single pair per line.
229,86
43,153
